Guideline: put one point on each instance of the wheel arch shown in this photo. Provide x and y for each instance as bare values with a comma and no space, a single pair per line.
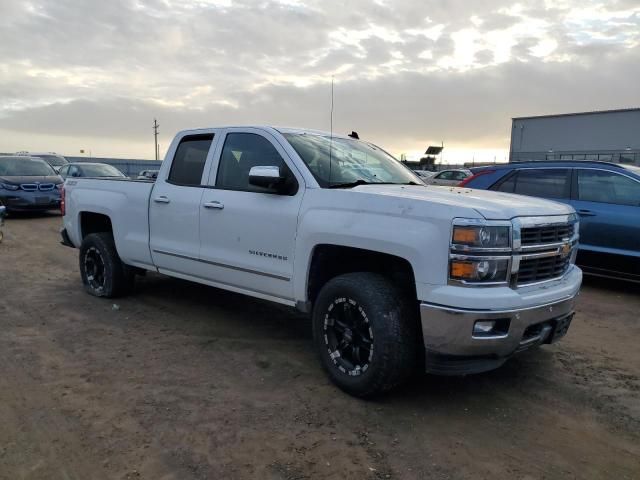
94,222
328,261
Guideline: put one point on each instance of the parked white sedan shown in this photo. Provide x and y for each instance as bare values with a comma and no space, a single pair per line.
448,177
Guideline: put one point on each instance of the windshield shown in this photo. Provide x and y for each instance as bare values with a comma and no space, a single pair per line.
343,161
54,160
25,166
100,170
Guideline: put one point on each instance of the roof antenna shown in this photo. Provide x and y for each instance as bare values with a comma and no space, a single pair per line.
331,132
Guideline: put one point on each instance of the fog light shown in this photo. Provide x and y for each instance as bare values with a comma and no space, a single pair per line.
491,328
484,327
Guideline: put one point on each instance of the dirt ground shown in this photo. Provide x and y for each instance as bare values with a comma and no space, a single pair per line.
182,381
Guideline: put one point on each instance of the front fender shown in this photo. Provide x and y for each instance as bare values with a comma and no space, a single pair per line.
420,242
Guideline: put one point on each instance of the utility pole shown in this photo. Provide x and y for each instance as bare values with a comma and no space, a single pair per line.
155,134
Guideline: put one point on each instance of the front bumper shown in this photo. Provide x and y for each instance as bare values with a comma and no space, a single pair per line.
452,348
30,201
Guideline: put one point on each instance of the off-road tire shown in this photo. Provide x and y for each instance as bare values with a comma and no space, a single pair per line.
391,320
117,278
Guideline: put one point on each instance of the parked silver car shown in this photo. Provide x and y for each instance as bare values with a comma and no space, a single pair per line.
93,170
448,177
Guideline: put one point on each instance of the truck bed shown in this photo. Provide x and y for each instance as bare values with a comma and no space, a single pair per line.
125,201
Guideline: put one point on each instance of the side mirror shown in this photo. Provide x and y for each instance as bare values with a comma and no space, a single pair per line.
266,177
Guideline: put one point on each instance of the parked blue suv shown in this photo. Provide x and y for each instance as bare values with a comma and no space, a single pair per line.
605,195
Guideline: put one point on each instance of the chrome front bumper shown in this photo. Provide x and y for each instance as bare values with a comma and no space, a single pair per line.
452,348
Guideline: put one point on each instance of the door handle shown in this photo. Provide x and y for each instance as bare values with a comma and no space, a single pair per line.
161,199
217,205
586,213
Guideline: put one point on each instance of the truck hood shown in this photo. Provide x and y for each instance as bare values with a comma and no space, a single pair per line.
491,205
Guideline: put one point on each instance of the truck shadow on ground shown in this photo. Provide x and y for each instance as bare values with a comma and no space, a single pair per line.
212,314
27,216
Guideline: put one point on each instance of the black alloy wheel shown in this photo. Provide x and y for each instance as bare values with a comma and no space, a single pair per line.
348,336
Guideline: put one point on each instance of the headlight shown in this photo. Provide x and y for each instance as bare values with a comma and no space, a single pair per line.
480,252
478,269
481,236
8,186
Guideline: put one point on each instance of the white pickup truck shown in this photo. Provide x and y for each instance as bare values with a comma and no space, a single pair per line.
395,274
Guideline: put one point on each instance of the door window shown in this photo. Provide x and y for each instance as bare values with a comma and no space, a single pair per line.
445,176
188,162
546,183
607,187
507,185
240,153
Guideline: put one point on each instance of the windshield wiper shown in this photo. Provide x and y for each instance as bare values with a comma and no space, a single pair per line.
360,181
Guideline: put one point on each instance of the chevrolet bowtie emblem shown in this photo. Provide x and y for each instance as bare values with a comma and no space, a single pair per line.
565,249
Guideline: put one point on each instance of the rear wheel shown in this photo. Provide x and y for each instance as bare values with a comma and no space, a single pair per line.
365,333
103,273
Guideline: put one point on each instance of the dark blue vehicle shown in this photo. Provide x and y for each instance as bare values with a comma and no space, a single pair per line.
28,184
605,195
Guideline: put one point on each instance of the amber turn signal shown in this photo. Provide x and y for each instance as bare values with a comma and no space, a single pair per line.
463,270
465,235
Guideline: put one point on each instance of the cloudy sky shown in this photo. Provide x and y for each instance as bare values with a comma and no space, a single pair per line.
89,74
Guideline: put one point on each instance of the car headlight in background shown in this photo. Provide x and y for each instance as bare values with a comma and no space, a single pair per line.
481,236
8,186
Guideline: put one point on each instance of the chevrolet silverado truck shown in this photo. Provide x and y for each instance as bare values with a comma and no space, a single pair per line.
396,275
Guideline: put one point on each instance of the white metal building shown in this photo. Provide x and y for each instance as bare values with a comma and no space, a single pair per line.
610,135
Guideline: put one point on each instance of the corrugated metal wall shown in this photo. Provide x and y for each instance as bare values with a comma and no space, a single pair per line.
610,136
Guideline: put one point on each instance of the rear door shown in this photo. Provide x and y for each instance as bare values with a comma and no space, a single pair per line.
174,206
609,207
248,234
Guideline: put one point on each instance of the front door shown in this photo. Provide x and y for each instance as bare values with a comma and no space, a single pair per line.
174,207
248,233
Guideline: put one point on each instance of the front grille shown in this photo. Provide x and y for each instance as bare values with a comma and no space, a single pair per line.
548,234
544,268
32,187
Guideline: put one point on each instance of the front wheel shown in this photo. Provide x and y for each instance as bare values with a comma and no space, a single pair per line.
103,273
364,331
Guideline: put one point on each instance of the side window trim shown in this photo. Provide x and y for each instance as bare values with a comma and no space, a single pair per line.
567,186
511,175
611,172
214,140
217,158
